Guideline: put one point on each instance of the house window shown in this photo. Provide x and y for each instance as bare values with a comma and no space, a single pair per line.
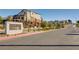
22,17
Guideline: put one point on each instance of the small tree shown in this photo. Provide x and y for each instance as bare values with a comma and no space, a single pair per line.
50,24
57,25
44,24
65,22
61,25
10,18
69,21
1,20
77,23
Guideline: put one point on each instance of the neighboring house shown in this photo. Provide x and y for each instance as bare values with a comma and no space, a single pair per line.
29,18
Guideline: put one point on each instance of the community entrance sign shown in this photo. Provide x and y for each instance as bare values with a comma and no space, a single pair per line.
13,27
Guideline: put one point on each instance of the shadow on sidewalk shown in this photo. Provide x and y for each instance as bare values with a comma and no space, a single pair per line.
39,45
72,34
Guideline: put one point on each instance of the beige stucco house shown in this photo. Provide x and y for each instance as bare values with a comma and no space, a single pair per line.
29,18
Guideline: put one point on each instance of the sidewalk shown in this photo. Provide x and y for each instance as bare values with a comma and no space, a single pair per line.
20,35
24,34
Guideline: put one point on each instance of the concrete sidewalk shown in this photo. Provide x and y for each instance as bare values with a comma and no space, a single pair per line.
20,35
25,34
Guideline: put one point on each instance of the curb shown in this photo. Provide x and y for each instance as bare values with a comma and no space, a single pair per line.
21,35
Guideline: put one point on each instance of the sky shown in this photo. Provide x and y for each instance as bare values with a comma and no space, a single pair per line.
47,14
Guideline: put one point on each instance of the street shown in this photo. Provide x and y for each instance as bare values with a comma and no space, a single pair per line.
59,39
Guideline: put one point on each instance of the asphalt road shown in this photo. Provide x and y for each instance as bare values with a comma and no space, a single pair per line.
60,39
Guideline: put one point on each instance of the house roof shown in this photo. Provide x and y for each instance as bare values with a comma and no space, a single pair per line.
24,11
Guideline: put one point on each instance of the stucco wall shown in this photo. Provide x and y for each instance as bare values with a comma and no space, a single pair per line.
8,31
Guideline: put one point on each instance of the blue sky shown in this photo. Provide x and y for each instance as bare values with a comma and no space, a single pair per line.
47,14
